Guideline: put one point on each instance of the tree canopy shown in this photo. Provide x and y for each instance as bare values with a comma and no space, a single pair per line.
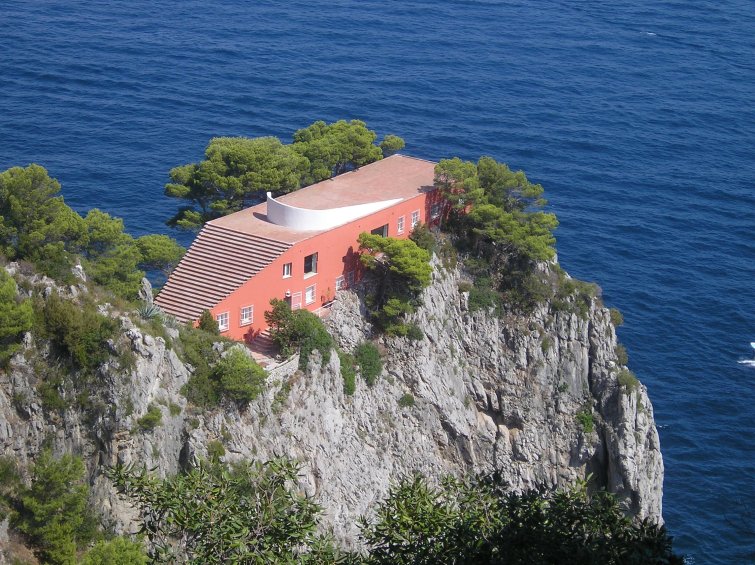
238,169
493,206
478,520
36,225
214,514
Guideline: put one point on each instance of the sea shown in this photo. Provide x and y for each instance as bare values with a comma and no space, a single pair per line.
637,117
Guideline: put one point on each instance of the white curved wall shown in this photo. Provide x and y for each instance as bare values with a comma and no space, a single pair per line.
305,219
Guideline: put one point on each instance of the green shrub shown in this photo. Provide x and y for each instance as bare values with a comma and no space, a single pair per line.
482,296
370,363
117,551
628,380
406,401
208,323
546,344
174,409
617,318
585,419
77,331
414,332
152,419
622,357
465,286
52,512
298,329
16,317
423,237
198,350
348,372
215,450
239,377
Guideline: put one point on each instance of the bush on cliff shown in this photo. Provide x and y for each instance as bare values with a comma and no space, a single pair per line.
298,329
15,317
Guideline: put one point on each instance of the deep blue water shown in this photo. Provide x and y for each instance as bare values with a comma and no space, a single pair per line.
637,117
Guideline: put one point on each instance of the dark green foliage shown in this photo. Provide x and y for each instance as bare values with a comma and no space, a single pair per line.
348,372
215,450
174,409
414,332
159,252
77,331
406,401
36,225
402,270
406,261
236,376
263,519
298,329
478,521
586,420
237,169
15,317
207,323
367,356
52,512
332,149
617,318
490,205
483,297
152,419
10,484
628,381
239,377
117,551
622,357
423,237
111,255
391,144
465,286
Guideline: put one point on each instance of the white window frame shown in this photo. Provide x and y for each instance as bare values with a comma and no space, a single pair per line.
313,272
400,225
310,294
415,219
246,320
224,321
340,283
287,269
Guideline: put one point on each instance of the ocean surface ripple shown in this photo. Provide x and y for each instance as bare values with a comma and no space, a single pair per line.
638,118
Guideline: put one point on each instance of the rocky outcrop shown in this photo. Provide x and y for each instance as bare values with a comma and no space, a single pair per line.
534,397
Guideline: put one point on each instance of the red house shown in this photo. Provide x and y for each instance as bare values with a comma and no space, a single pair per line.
301,247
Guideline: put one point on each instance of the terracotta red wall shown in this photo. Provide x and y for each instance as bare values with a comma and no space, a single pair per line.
337,252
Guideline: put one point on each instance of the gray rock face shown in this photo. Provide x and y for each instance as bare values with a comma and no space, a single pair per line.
490,393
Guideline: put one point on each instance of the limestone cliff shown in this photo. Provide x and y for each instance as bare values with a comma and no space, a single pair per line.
490,393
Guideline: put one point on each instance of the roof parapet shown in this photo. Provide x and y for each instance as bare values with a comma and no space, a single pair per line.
304,219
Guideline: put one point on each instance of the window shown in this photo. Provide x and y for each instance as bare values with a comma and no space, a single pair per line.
223,321
435,211
415,218
340,283
309,294
286,270
400,225
310,264
382,231
247,315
